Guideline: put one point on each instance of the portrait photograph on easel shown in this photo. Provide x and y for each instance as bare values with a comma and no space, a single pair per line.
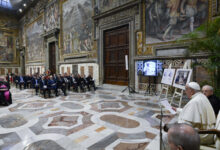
168,76
182,77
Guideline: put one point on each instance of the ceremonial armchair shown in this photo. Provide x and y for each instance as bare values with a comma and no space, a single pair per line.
216,139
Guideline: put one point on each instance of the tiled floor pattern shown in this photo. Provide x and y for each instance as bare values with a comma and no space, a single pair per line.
104,119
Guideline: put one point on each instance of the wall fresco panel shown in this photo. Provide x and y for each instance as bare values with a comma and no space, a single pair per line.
34,40
7,47
170,20
77,27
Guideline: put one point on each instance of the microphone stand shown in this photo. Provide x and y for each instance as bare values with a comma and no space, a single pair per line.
161,125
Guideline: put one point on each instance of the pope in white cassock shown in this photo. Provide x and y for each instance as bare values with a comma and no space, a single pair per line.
198,112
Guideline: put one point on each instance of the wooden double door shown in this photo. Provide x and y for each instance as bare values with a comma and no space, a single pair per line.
116,47
52,57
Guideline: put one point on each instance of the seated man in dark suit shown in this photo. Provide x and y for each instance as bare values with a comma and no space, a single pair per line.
90,81
67,81
80,82
52,85
85,82
16,80
28,79
43,86
22,81
61,84
36,83
5,94
74,83
215,101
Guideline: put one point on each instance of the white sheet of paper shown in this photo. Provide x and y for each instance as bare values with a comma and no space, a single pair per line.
126,62
167,106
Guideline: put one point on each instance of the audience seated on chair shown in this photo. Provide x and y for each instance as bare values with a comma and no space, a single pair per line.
5,95
214,100
90,81
22,81
36,84
52,85
61,84
43,86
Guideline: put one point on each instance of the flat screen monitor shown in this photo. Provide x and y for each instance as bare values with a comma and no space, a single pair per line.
150,67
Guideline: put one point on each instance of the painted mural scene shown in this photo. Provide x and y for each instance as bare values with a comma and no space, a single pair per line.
6,46
170,19
109,74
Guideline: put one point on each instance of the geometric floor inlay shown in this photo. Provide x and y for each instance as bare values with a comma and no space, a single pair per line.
44,145
96,120
12,121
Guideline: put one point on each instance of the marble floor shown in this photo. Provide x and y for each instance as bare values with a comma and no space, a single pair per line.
97,120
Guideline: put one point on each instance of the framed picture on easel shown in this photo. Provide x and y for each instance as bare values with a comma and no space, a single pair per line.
182,77
168,75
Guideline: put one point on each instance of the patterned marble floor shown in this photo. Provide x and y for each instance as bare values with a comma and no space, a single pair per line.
104,119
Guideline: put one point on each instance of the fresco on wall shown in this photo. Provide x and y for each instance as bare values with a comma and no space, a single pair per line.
6,47
52,17
34,40
77,26
105,5
168,20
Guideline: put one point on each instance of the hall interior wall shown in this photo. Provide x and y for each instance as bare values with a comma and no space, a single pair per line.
9,54
103,17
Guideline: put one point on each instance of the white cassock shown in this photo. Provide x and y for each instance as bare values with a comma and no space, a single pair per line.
217,139
199,113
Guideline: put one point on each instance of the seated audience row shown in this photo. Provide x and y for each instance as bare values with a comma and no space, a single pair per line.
48,83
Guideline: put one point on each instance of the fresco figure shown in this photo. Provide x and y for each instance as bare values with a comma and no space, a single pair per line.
173,6
168,20
34,40
6,47
189,8
77,29
52,17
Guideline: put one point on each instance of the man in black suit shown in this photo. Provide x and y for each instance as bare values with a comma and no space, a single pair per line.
74,83
80,82
85,82
61,84
67,81
215,101
28,79
36,83
90,81
22,81
52,85
43,86
16,79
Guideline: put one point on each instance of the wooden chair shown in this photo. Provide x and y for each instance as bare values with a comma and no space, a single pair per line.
215,131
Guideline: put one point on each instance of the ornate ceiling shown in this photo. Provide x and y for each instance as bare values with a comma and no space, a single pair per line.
15,7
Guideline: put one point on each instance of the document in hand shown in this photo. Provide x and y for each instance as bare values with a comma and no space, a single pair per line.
167,106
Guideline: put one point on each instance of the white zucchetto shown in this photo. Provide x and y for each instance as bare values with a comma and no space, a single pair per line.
194,85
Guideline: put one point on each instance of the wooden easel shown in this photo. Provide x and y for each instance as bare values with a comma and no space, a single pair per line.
179,92
165,87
